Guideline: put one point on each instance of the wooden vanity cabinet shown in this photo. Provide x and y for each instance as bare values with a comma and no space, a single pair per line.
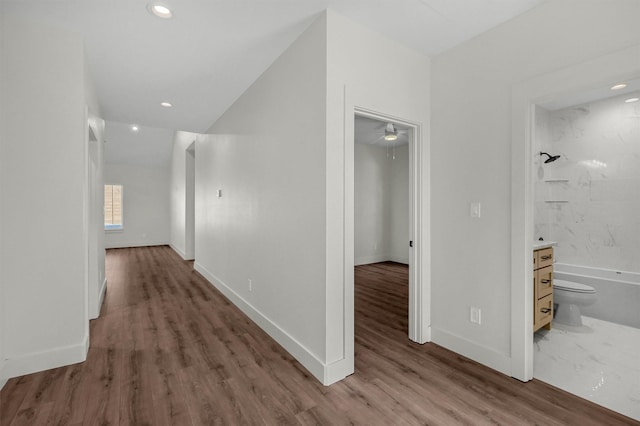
542,288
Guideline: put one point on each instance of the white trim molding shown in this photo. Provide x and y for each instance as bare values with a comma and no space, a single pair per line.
40,361
131,244
177,250
326,374
482,354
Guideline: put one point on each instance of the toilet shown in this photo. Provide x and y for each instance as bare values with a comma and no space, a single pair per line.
570,297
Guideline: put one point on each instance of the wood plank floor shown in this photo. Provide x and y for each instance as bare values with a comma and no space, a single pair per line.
169,349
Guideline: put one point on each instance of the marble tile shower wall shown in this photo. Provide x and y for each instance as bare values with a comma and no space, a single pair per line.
589,199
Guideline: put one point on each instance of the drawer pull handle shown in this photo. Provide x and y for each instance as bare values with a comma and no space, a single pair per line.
545,310
547,257
546,281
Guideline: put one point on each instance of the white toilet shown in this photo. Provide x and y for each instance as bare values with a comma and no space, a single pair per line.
570,297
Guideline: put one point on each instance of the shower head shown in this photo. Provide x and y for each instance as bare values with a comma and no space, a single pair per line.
551,158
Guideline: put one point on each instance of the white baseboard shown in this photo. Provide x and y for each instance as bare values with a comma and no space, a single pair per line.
398,258
486,356
40,361
316,367
131,244
337,371
377,258
182,254
366,260
3,380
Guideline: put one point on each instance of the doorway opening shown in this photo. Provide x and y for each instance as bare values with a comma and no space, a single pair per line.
96,280
381,225
585,207
580,82
190,199
404,242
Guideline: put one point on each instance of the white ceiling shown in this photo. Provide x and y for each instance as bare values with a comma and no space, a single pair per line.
204,58
565,100
149,146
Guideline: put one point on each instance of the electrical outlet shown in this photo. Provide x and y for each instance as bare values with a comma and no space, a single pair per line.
250,285
475,315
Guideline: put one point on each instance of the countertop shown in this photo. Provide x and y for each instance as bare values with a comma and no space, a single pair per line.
543,244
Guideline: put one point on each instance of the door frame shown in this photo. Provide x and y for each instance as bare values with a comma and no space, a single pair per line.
190,188
419,290
96,280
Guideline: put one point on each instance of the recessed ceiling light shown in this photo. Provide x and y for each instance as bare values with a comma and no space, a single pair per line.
632,100
166,104
159,10
135,128
619,86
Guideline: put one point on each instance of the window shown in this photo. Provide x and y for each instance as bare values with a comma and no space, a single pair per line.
113,207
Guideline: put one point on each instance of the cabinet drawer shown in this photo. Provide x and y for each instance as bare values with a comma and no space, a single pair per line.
544,282
545,257
544,311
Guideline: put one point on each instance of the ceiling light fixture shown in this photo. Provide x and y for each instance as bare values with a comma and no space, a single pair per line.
632,100
619,86
135,128
166,104
390,133
159,10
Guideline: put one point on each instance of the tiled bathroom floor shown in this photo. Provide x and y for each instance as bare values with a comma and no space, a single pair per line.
599,362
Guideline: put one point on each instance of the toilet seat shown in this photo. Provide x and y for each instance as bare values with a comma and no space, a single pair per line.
573,287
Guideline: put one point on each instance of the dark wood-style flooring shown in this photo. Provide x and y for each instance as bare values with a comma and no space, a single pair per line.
170,349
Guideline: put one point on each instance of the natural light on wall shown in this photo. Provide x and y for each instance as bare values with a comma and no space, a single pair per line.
112,207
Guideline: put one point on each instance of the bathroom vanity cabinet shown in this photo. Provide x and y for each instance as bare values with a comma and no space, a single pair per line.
542,288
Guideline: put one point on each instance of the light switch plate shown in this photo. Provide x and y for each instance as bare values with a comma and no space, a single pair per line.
475,315
474,209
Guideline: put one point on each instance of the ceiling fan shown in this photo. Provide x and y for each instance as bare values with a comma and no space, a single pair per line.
391,132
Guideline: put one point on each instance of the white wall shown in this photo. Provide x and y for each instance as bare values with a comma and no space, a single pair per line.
43,249
266,154
371,204
599,169
471,137
381,204
2,142
178,194
364,69
399,199
145,205
279,221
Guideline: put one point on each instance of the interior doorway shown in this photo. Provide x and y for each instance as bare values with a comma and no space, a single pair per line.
385,133
381,219
190,198
96,281
588,77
